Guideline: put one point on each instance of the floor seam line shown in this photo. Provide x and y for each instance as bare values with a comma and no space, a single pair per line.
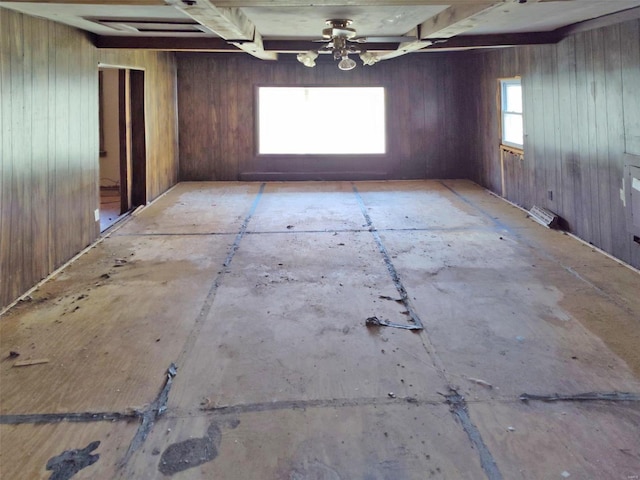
541,252
456,401
147,423
612,397
404,296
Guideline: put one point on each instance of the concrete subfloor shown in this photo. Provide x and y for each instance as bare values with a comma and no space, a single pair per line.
259,295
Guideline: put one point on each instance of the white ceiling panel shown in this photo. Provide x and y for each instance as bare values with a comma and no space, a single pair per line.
281,23
80,16
546,16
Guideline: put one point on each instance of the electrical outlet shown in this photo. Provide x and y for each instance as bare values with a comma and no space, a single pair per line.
96,214
550,194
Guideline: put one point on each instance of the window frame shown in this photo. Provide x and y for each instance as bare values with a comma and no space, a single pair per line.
502,83
319,131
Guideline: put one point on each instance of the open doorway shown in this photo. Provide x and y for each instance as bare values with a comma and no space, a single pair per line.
123,165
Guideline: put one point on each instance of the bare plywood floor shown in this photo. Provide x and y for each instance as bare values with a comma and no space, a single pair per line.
259,295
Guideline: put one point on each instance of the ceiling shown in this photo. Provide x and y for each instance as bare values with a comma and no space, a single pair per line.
268,28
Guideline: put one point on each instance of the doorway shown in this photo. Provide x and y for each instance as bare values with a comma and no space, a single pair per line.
123,159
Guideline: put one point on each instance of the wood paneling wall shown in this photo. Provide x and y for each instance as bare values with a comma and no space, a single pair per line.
218,134
581,114
49,125
49,159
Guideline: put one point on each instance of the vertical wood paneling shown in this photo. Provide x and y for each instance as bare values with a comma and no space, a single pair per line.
217,121
604,165
39,144
4,150
581,114
45,216
567,122
630,33
590,141
49,144
615,136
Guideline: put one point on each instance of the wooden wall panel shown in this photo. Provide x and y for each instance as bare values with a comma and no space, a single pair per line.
49,143
217,125
48,149
581,115
630,50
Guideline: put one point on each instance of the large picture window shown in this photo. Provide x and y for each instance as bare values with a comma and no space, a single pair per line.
512,124
321,120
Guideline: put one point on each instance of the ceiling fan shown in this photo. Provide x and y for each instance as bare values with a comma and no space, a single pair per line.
341,40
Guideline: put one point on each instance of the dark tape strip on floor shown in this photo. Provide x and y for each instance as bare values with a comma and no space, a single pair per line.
541,252
312,232
149,416
458,407
243,227
387,260
583,397
41,418
328,403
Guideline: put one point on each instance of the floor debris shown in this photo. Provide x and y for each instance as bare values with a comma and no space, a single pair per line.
387,297
480,382
373,322
13,354
27,363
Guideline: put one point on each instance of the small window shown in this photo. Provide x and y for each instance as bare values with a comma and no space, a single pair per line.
321,120
512,124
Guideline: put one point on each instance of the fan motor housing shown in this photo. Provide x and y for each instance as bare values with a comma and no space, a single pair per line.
338,28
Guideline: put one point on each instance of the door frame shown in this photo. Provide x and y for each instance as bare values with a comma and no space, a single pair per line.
133,136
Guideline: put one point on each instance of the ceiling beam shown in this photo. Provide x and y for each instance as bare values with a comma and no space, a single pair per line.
452,21
230,23
455,20
404,48
208,44
255,47
497,40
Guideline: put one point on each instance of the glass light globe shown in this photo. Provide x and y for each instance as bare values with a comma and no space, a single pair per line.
346,64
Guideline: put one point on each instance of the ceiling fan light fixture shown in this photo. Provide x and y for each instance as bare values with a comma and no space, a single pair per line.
346,63
308,59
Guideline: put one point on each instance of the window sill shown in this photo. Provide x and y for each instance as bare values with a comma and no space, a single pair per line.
512,150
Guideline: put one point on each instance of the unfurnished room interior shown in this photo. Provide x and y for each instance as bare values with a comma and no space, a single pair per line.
281,239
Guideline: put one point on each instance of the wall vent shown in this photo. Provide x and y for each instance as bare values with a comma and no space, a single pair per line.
544,217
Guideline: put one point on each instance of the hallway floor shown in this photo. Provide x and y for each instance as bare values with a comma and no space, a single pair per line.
220,333
109,208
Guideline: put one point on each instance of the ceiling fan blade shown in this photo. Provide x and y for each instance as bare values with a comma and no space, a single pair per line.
397,39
